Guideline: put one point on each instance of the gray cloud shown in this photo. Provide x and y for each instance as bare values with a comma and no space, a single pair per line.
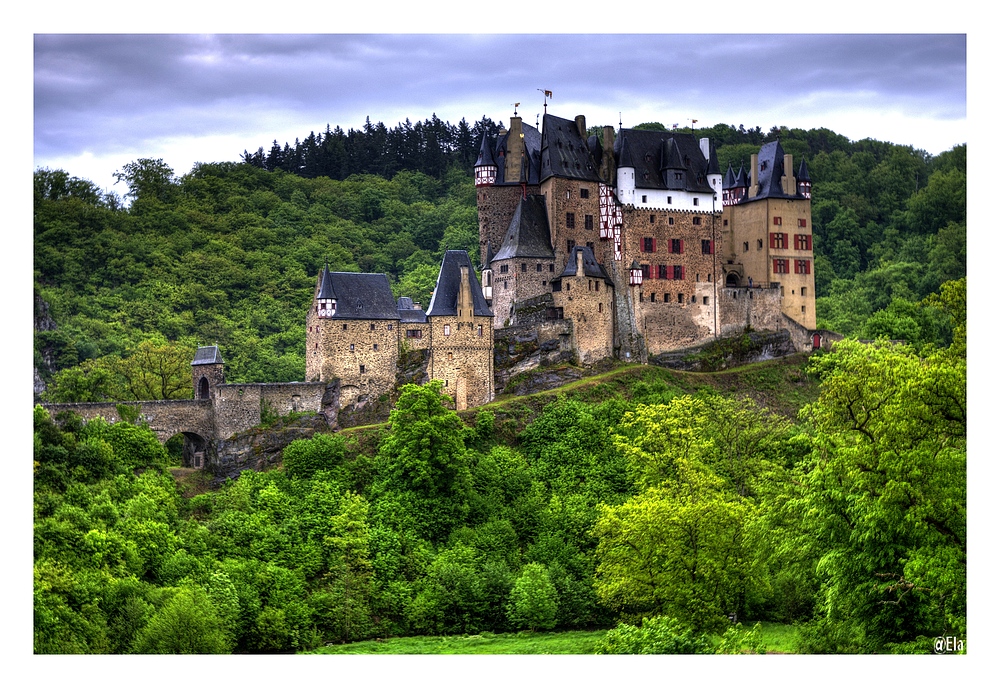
103,93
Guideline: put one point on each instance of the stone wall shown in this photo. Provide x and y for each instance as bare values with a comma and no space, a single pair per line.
581,199
757,309
589,303
463,358
675,305
362,354
517,280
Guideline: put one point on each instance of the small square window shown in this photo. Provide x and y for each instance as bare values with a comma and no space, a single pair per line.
584,193
375,347
352,347
371,326
362,369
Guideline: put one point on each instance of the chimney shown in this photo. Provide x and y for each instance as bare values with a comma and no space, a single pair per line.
787,178
579,263
753,176
581,126
515,150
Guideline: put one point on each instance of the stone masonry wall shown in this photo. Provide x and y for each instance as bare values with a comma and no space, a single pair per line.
463,358
361,353
675,305
757,308
589,303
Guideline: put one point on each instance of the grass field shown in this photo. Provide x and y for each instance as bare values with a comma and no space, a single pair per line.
778,638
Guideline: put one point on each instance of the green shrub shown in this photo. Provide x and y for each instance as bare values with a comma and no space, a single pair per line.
660,635
303,458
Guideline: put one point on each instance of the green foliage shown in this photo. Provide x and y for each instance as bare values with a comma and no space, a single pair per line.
659,635
737,641
186,624
533,600
322,452
423,462
884,495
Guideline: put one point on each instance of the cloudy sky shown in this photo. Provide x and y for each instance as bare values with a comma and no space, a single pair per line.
103,100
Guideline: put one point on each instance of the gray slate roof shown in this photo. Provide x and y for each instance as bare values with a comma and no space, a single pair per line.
528,233
564,152
532,147
207,354
407,312
445,299
360,295
651,154
770,168
591,268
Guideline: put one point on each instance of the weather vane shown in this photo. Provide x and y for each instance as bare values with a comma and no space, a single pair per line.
516,105
545,103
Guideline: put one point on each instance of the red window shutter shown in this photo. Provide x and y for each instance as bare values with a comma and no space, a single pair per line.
775,265
773,235
682,272
712,249
670,272
807,267
809,242
654,244
786,244
682,250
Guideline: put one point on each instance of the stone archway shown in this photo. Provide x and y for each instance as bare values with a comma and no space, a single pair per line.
203,388
732,280
195,452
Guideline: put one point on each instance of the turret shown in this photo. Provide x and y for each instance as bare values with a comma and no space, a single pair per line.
486,164
803,181
326,298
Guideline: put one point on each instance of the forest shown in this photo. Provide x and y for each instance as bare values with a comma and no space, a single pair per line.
656,510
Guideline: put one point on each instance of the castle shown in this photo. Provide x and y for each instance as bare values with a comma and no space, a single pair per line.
633,244
627,246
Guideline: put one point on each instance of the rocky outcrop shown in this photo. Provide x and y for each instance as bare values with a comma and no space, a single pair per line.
720,354
258,449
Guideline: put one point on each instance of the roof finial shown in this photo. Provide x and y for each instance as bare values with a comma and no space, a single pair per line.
515,108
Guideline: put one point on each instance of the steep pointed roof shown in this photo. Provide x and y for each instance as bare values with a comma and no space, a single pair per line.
489,254
486,156
729,181
528,233
591,268
713,160
326,290
742,180
770,168
565,152
803,175
449,284
532,150
623,151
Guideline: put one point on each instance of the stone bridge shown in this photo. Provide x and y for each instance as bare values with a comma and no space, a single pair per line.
228,409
